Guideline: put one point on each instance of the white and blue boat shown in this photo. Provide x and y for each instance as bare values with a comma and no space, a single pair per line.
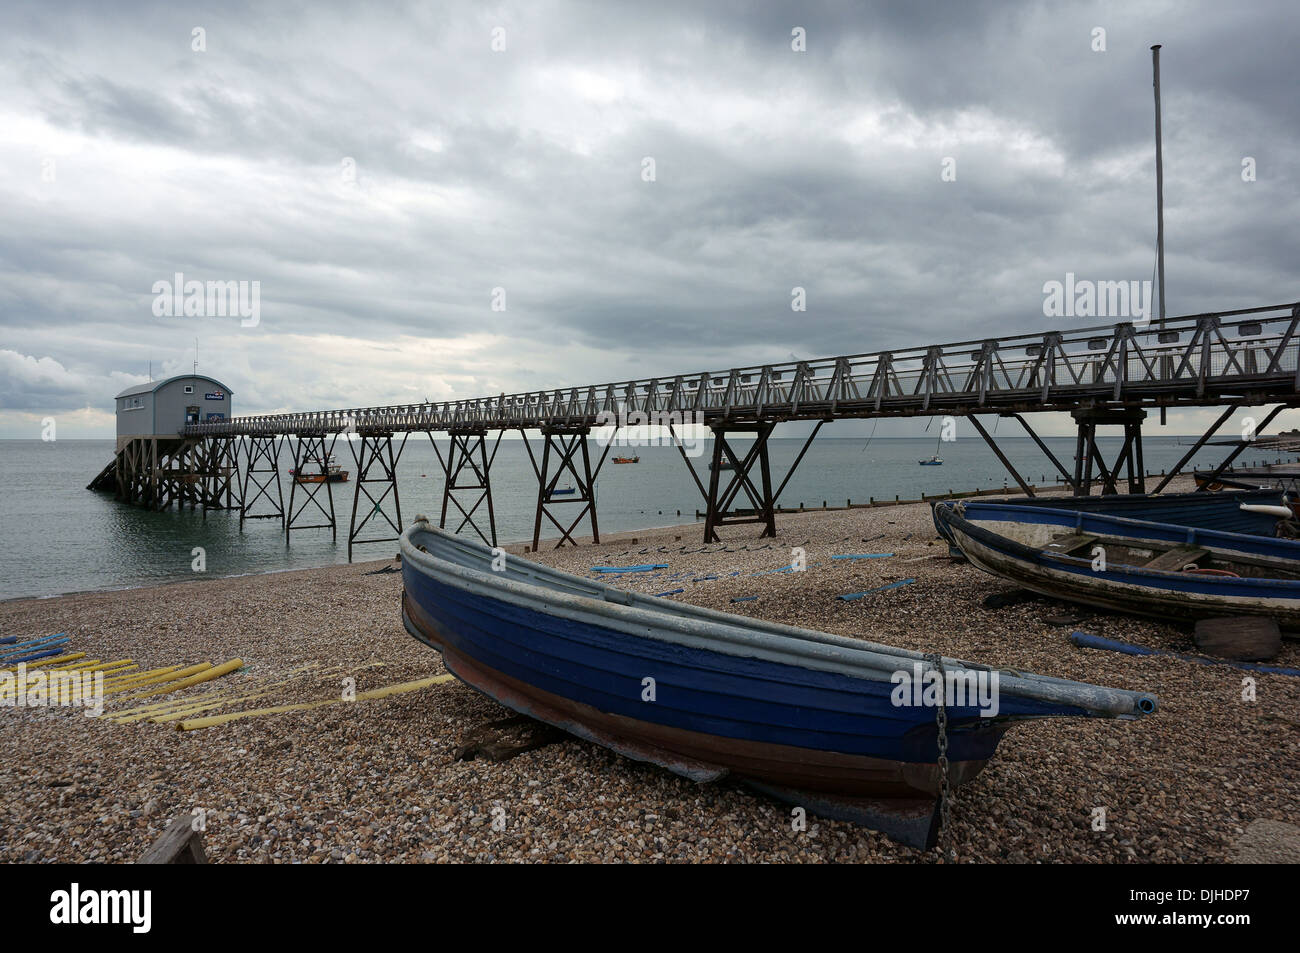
812,718
1166,570
1256,512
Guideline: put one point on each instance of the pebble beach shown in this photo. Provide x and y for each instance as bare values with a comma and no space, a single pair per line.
1208,778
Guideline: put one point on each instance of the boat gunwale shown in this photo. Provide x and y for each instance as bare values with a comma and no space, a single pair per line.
709,629
956,513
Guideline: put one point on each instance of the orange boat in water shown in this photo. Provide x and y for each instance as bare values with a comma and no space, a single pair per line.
330,472
635,459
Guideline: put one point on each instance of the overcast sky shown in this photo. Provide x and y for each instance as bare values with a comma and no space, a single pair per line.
379,169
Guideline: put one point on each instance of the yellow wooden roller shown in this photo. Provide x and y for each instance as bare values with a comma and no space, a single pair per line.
225,668
190,724
137,676
169,677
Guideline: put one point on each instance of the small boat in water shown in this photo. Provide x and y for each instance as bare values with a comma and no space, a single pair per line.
635,459
561,491
934,461
330,472
1165,570
818,720
724,465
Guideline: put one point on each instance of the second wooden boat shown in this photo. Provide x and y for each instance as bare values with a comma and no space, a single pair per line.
1149,568
1231,512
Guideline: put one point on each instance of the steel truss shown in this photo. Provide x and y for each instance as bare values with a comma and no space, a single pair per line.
311,448
566,443
465,444
261,470
375,449
1087,454
719,497
1193,361
218,460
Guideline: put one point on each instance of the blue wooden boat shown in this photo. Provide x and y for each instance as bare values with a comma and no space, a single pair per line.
561,491
1221,511
1158,569
812,718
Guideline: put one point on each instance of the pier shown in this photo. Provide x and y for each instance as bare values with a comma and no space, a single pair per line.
1111,376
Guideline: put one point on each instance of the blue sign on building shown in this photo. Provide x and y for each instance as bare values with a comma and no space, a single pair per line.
215,395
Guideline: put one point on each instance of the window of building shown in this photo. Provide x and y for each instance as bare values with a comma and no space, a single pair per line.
189,388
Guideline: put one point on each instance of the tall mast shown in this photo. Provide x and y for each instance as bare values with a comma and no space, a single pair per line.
1160,187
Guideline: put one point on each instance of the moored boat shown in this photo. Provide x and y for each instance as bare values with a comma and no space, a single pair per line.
816,719
329,472
1150,568
632,459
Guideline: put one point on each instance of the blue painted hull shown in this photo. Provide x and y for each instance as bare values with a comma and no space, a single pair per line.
811,717
991,535
701,691
1218,511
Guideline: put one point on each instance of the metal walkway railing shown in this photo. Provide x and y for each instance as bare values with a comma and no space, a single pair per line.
1245,357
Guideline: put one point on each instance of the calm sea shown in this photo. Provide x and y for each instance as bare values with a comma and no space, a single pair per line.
59,537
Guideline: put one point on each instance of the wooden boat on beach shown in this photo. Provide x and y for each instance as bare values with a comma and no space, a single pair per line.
1284,477
815,719
1165,570
1256,512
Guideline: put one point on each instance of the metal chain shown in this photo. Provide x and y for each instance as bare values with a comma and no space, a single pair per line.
941,720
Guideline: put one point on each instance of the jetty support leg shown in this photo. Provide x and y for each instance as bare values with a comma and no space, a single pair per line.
468,448
993,445
720,497
376,465
1204,439
309,453
567,443
1060,468
1244,445
1129,457
262,469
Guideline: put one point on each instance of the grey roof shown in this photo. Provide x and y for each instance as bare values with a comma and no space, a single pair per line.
152,386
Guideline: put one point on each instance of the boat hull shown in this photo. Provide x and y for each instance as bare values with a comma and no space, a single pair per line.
1218,511
701,755
1161,594
809,717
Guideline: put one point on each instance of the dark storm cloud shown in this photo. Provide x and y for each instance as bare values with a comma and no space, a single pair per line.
521,170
